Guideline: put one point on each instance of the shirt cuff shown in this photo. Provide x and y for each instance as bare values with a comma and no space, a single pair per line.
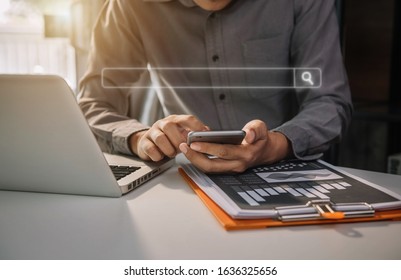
299,139
122,134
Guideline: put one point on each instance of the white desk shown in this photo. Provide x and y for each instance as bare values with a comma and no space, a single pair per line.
164,219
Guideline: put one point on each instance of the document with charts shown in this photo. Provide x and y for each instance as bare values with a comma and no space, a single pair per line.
294,190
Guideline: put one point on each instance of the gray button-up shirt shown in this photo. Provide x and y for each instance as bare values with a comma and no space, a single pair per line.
168,35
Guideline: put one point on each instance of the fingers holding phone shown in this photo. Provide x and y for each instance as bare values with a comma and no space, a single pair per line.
216,151
258,145
215,143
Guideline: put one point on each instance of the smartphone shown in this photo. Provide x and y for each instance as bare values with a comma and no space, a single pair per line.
233,137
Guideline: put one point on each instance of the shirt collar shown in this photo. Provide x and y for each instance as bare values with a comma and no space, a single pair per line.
187,3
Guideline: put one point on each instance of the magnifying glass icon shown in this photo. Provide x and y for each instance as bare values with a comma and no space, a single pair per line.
307,78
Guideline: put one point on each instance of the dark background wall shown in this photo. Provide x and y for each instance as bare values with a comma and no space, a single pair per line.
370,42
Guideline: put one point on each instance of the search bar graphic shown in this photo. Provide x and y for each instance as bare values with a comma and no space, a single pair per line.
234,77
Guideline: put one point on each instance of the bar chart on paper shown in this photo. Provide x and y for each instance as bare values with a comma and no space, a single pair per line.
295,183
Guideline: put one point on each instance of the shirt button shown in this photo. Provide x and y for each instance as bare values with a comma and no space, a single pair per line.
222,96
215,58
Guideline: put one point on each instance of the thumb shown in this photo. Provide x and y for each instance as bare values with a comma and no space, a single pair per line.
255,130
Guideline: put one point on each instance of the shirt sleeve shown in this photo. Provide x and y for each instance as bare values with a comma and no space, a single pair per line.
107,107
325,113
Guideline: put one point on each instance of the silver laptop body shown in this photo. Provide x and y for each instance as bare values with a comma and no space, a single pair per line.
46,144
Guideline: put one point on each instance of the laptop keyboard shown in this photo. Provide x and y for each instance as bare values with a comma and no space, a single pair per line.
122,171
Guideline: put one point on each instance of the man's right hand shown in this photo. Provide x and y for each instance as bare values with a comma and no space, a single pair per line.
164,137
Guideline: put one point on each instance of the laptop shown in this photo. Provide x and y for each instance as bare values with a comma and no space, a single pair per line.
46,144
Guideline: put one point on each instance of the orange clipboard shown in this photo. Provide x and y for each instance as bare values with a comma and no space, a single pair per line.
237,224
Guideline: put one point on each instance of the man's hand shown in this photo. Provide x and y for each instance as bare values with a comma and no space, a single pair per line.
164,137
259,146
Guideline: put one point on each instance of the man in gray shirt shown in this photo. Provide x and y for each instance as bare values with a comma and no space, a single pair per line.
179,37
